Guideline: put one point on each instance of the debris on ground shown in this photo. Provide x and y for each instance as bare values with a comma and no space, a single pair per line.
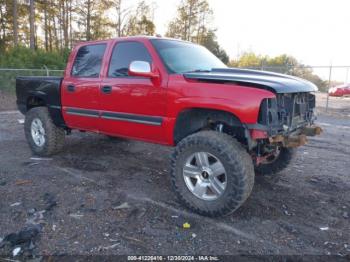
307,195
76,216
35,218
50,201
15,204
22,182
285,211
16,251
132,239
324,228
109,247
23,241
186,225
20,121
40,158
125,205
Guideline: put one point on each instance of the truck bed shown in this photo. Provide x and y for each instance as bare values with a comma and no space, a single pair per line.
44,89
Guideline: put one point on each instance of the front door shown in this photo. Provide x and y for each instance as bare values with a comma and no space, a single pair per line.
80,88
131,106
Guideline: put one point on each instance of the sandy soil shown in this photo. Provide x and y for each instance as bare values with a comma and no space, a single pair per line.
106,197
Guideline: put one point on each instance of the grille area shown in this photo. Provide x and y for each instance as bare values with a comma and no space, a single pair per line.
287,112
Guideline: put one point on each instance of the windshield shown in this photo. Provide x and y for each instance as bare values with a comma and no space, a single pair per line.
183,57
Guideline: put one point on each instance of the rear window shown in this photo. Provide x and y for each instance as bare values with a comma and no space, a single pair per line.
88,61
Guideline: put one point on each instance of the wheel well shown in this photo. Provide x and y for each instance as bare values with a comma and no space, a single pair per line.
34,101
193,120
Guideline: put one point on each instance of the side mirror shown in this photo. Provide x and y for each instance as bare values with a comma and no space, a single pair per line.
143,69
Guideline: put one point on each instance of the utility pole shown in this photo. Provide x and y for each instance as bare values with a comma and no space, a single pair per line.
329,85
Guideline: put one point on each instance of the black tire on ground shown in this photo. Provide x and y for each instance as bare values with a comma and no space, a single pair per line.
236,161
54,136
284,158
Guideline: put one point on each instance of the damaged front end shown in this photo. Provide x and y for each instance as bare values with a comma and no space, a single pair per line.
284,121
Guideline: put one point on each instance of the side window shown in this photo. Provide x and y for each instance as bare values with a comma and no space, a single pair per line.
88,61
123,54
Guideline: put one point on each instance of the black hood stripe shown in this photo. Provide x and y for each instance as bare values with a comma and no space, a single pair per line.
277,83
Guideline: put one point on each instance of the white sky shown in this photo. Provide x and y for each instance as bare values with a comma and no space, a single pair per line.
316,32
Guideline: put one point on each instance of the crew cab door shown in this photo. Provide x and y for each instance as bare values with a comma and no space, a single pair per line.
81,87
132,106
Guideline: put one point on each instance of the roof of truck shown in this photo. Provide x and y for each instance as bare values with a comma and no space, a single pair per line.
125,38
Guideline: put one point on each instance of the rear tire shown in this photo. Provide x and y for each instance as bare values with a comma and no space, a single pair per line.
236,167
43,136
281,162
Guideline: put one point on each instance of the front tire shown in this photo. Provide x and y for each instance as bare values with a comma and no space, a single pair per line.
212,174
277,164
43,136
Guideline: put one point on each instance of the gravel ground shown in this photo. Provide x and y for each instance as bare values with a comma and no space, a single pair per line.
7,101
109,197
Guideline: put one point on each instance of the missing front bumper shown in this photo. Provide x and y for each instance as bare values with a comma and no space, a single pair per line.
296,139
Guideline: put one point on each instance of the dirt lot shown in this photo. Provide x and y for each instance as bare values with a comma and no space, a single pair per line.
114,197
7,101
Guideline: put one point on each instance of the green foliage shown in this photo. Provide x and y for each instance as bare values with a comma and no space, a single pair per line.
284,64
210,42
192,20
192,23
23,57
247,60
141,22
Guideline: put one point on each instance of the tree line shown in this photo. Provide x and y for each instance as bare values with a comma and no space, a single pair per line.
41,32
284,64
58,24
55,25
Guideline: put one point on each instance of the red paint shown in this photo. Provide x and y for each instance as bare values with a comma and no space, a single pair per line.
341,90
258,134
166,96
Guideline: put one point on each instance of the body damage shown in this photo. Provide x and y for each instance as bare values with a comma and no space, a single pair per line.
149,108
278,83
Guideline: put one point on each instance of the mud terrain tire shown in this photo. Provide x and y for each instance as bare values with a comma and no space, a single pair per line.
238,168
52,139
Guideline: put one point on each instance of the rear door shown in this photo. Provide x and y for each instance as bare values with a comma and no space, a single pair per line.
131,106
81,87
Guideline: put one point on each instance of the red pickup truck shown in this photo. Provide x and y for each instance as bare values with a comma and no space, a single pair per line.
225,123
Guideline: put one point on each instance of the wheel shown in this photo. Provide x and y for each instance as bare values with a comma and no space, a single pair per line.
212,174
276,162
43,136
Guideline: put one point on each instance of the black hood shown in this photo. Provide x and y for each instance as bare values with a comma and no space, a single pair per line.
277,83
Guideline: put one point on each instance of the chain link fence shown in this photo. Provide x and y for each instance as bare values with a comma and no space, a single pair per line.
330,74
323,76
8,76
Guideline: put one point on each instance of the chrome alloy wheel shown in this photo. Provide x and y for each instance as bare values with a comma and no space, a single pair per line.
38,132
205,176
